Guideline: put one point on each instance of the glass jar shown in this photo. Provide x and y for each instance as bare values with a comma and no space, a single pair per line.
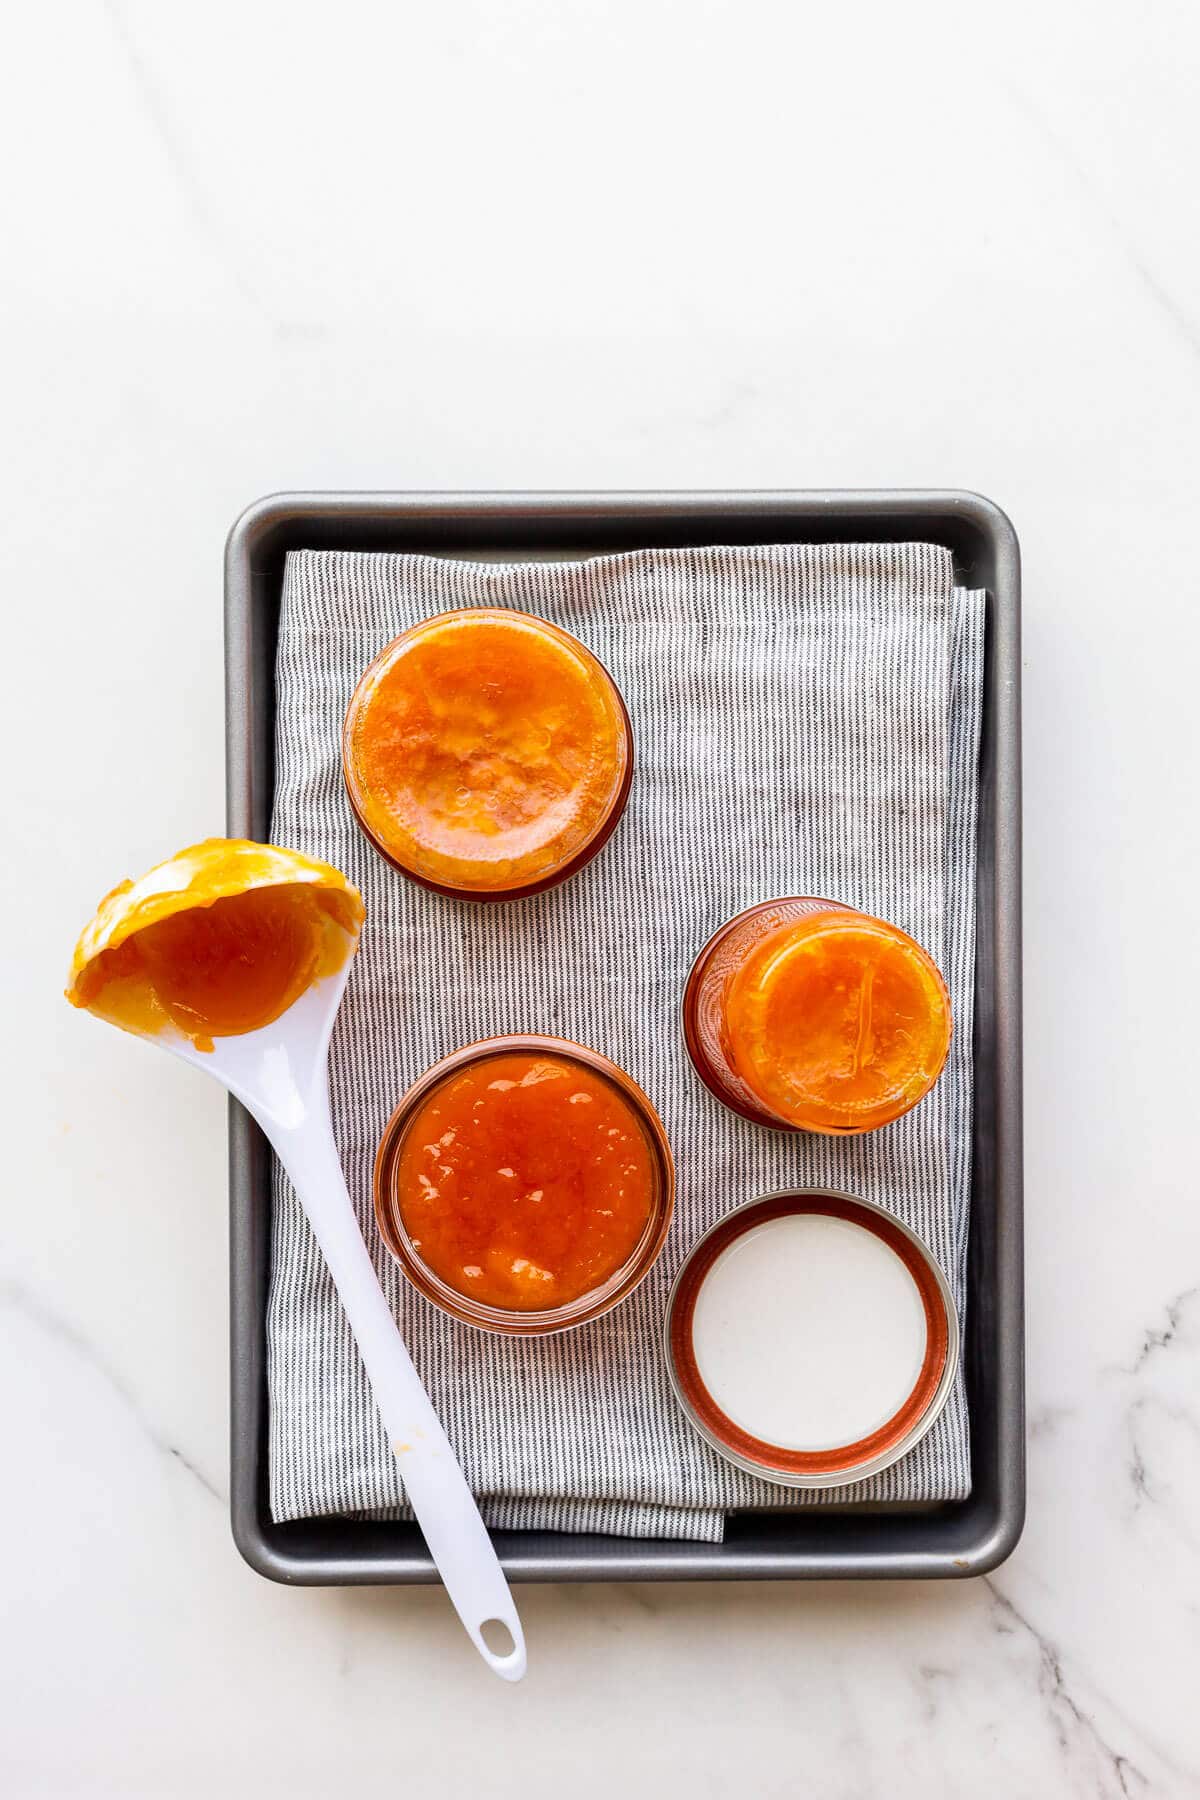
546,1213
805,1015
487,754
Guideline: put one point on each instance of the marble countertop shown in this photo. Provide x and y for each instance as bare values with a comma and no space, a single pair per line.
250,247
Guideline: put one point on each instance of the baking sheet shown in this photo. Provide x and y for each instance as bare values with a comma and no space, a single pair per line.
951,1539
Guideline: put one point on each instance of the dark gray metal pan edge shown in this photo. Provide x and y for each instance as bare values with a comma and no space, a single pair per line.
958,1540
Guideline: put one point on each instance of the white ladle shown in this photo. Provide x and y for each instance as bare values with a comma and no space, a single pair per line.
280,1074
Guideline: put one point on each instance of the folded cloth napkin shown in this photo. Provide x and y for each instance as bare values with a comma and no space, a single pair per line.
806,721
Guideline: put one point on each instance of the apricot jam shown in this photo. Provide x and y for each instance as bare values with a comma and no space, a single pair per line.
217,941
810,1015
525,1180
233,966
486,753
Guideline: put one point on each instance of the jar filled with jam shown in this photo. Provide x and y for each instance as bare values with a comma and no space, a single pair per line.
524,1184
805,1015
487,754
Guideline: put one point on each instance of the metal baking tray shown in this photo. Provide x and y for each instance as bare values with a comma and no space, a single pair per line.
947,1539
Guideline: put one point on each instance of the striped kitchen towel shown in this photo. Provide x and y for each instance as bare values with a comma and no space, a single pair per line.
806,720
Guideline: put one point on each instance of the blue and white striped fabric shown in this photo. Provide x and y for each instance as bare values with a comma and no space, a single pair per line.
806,720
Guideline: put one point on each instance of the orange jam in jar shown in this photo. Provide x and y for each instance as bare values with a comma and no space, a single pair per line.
487,754
527,1180
805,1014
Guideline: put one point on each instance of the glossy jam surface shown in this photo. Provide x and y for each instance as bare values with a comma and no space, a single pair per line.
219,941
484,750
837,1022
525,1180
220,970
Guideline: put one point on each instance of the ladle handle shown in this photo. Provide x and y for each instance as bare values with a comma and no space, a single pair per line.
437,1490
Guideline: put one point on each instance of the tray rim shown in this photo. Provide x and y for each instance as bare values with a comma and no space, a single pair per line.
953,1540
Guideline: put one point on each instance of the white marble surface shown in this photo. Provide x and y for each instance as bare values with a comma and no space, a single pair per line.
250,246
